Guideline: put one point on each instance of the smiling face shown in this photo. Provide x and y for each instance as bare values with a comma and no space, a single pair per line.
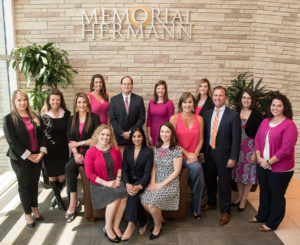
160,91
98,84
277,108
21,102
137,138
165,134
54,101
126,86
246,100
188,104
203,89
104,137
219,97
81,104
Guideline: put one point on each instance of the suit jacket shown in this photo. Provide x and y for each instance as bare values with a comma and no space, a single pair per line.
18,137
119,119
73,135
141,169
228,137
209,104
253,123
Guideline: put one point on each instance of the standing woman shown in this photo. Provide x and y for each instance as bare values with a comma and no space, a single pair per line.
81,127
103,166
203,97
136,170
275,147
163,191
189,131
56,119
244,171
24,135
160,109
99,98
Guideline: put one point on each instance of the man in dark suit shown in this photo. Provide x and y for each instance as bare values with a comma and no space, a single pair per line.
221,149
126,111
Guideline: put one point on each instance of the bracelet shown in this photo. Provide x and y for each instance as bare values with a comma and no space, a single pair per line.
83,142
119,177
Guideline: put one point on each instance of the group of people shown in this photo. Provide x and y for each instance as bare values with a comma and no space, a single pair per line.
130,172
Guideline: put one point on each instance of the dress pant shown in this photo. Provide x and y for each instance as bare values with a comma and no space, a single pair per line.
273,186
212,170
72,171
28,175
134,210
197,183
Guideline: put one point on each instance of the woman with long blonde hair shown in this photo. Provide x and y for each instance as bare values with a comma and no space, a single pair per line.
24,135
203,97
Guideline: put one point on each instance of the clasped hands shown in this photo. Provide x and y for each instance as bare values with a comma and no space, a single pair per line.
36,158
191,157
263,163
113,183
155,187
132,190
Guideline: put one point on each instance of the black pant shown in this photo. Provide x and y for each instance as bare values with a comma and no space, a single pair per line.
72,171
273,186
135,211
213,169
28,175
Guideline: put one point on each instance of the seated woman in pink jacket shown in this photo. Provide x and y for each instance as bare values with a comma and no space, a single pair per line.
103,166
274,145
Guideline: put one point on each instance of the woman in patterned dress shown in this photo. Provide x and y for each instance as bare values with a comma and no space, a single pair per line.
244,172
163,191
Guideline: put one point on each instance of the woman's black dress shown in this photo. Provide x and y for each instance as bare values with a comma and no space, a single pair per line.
57,144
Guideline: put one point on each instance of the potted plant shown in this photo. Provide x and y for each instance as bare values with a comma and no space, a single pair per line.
45,66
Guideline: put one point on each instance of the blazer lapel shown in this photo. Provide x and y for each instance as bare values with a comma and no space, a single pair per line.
132,100
122,104
209,123
77,135
223,120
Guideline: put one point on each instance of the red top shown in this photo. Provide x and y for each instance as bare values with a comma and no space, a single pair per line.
30,129
187,138
99,108
198,109
94,163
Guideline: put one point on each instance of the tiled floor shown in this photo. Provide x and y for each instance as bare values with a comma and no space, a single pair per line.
289,229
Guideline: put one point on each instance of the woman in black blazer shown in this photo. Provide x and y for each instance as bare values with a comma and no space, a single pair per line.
82,125
136,171
24,135
203,97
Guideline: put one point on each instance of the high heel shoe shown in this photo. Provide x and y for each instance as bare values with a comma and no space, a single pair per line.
70,217
41,218
114,240
30,225
235,204
152,236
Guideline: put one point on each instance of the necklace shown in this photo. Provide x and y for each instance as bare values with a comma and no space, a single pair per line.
26,120
162,152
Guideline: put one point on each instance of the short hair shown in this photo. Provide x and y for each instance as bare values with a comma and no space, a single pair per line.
220,87
139,129
166,97
127,77
252,95
183,98
173,140
287,106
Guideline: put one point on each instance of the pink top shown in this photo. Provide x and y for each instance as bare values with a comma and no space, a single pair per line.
30,129
187,138
282,140
99,108
158,114
198,109
95,166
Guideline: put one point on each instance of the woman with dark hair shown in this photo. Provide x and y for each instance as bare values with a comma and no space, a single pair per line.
203,97
189,132
99,98
56,119
24,134
163,191
275,147
103,167
136,170
244,171
81,127
160,109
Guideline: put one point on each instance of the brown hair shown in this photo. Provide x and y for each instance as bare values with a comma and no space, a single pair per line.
99,129
220,87
287,106
103,92
88,113
252,95
209,92
14,113
55,91
127,77
173,140
166,98
183,98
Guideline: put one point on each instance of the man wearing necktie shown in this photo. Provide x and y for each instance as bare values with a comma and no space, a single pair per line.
126,111
222,127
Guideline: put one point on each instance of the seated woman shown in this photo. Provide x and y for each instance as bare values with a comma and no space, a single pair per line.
163,191
103,166
136,170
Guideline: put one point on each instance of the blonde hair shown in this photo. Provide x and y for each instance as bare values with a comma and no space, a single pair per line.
209,92
97,132
14,113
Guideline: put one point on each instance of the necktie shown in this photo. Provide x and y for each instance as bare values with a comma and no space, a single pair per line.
214,131
126,104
